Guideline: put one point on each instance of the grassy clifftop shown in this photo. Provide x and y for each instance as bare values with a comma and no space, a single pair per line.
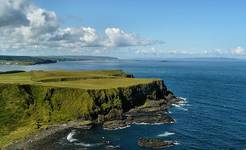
30,101
83,80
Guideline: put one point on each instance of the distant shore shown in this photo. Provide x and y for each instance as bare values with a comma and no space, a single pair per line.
36,60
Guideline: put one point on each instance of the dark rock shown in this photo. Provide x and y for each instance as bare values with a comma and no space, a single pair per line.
151,106
105,141
116,124
100,118
150,119
154,143
145,110
130,76
169,96
172,99
153,112
114,114
155,103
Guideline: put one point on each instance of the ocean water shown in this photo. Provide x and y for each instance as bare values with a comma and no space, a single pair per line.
213,118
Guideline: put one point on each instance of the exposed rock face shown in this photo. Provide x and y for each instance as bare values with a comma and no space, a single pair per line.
153,113
155,143
114,114
127,98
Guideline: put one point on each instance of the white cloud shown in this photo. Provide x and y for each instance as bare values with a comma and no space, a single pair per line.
13,12
117,37
85,36
148,51
239,51
23,25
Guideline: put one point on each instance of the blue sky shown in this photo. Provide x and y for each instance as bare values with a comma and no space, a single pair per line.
160,28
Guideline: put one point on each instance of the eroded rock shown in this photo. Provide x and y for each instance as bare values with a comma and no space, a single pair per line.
116,124
154,143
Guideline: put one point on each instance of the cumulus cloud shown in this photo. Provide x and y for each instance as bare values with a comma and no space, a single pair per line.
13,12
86,36
117,37
239,51
23,25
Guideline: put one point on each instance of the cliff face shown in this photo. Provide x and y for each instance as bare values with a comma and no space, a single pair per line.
123,99
40,105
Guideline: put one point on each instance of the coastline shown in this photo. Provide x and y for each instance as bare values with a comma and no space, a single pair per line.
54,101
50,133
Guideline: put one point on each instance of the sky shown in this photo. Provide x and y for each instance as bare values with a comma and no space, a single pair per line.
125,29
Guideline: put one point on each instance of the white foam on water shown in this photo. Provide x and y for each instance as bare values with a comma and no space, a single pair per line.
113,147
176,143
119,128
87,144
70,136
183,98
145,123
181,108
165,134
180,105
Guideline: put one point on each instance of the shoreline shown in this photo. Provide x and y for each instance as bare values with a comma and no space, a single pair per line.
50,133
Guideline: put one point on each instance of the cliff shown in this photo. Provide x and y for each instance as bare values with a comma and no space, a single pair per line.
30,101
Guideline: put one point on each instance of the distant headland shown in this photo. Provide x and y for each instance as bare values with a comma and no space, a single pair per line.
34,60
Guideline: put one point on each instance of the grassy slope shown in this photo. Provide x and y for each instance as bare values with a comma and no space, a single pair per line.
32,100
83,79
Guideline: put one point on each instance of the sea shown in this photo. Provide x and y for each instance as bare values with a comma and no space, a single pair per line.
213,117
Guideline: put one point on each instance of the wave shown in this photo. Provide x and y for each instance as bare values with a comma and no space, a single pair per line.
181,107
87,144
176,143
183,101
183,98
165,134
113,147
181,104
119,128
70,136
145,123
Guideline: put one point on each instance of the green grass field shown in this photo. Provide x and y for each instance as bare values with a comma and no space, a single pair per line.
79,79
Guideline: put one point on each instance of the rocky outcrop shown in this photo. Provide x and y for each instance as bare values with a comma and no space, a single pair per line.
152,112
154,143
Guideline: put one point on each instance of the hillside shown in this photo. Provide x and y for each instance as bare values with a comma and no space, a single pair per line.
24,60
31,101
